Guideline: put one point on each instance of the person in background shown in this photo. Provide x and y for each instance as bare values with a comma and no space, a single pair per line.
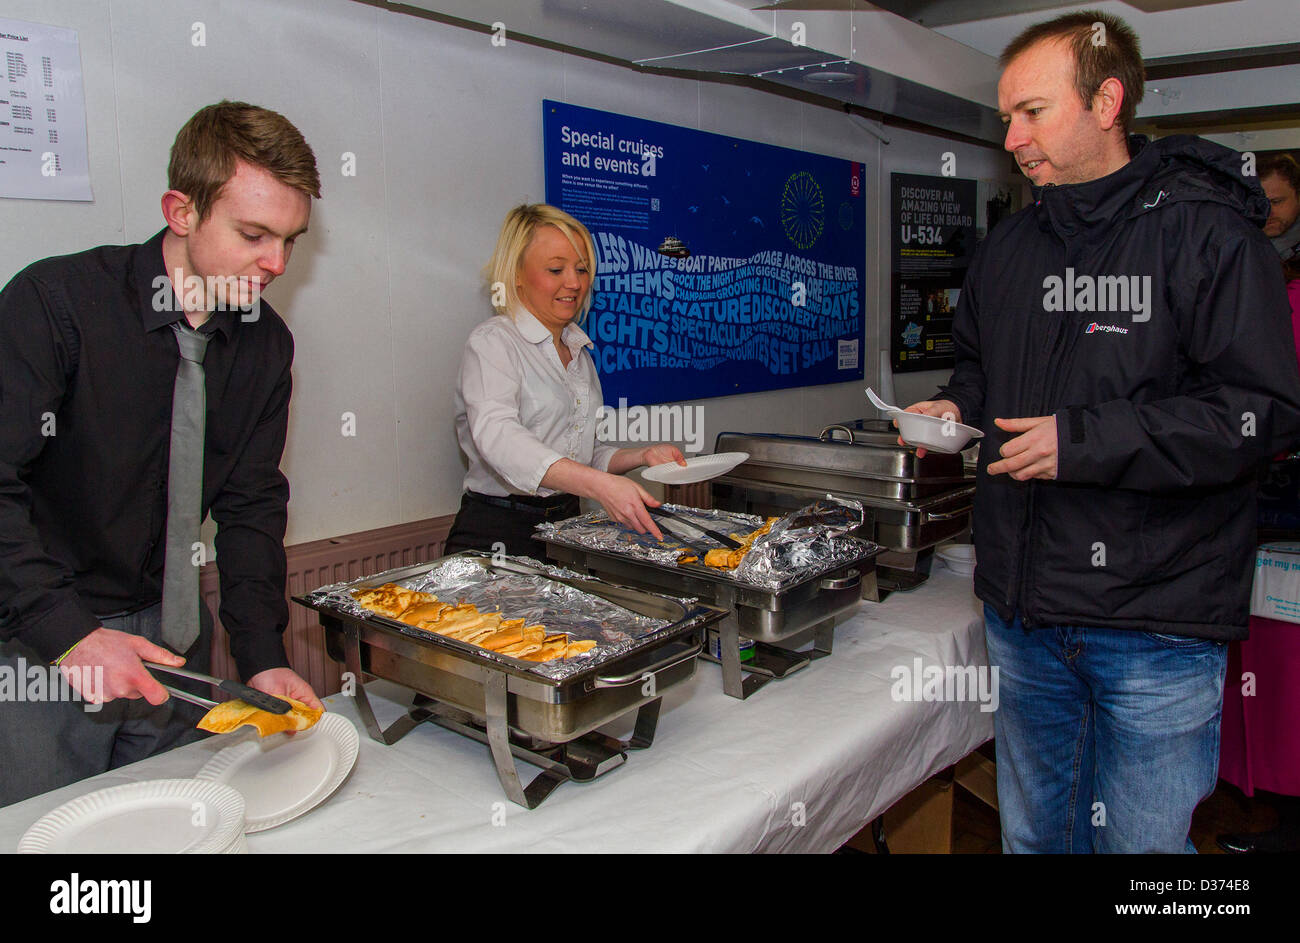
1261,736
528,396
1124,344
1279,175
141,387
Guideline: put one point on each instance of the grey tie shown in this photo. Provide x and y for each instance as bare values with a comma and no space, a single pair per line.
180,603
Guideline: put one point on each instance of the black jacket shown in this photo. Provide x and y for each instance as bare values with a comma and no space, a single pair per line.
87,369
1169,388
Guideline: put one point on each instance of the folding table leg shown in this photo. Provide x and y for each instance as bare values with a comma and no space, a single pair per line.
878,834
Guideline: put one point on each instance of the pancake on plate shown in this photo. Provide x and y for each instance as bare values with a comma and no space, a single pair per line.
231,715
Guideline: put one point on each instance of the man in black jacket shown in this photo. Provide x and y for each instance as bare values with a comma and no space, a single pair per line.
1125,345
90,371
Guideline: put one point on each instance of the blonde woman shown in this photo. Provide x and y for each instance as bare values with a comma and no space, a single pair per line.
528,394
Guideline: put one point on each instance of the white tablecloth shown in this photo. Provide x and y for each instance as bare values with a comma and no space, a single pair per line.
723,775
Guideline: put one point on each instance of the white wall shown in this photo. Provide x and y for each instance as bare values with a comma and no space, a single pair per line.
384,289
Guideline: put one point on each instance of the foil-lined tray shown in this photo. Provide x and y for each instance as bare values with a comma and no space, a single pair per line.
505,585
809,541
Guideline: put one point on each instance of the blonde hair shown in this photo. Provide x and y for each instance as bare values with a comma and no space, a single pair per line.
517,232
205,151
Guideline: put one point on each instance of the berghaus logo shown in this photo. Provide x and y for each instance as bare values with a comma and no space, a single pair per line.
1094,327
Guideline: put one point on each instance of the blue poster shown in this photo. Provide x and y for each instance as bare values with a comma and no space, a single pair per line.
723,266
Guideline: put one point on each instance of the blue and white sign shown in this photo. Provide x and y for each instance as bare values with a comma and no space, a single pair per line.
724,266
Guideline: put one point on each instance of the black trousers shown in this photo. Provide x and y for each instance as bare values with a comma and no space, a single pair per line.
485,523
52,740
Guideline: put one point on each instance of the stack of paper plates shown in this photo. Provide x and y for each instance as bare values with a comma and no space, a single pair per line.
251,785
158,816
960,558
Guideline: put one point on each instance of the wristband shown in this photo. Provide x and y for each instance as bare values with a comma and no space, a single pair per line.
67,653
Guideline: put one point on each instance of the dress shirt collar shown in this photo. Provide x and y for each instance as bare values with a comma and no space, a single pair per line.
149,264
535,332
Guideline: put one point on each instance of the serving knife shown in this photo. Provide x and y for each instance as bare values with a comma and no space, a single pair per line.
725,539
260,699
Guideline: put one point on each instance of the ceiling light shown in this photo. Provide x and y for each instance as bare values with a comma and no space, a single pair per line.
828,78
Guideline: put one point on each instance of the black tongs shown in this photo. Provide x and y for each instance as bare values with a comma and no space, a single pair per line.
260,699
725,539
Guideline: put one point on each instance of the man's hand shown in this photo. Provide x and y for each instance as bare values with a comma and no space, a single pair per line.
285,682
661,454
1031,454
931,407
625,501
121,655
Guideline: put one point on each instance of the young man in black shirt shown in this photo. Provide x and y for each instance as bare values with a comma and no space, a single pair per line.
88,374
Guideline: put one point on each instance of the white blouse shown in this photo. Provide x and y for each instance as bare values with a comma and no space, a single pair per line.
519,410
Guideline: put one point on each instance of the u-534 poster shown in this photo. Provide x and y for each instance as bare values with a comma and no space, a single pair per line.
724,266
933,238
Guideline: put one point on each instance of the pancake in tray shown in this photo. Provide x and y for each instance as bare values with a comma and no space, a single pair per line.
725,559
487,630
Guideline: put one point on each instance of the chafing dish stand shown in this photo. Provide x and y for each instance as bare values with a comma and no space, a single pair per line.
518,714
911,504
779,621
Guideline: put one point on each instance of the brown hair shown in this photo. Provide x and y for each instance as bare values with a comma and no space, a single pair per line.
1291,270
1118,55
1285,166
206,149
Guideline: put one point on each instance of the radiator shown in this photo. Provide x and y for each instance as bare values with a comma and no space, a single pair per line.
696,495
316,564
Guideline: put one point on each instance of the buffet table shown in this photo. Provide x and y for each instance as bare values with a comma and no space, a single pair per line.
801,766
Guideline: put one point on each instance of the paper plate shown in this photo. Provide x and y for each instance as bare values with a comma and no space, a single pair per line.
700,468
159,816
281,777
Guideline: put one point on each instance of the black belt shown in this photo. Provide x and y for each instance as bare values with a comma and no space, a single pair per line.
129,612
546,507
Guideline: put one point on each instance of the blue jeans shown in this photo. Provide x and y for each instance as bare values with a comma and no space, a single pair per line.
1106,738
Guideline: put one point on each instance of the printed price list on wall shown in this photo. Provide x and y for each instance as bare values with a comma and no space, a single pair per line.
43,152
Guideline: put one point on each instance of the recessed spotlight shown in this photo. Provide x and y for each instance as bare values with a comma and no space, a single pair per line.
829,78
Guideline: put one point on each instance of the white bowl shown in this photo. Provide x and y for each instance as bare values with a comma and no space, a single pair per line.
934,432
960,558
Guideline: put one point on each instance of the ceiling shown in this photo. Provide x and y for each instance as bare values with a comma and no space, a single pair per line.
1229,69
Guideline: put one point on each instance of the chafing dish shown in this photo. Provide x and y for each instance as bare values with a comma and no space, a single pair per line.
512,705
911,504
780,620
